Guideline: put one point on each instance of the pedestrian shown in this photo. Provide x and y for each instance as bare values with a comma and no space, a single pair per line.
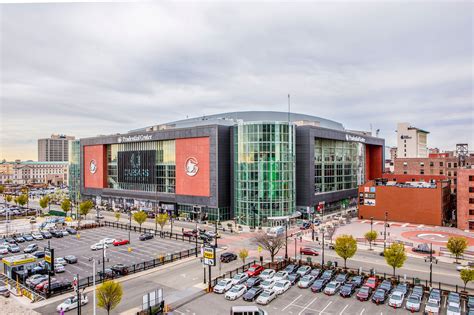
61,311
301,238
182,230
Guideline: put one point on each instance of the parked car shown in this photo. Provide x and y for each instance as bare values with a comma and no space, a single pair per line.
454,297
252,294
306,281
10,240
422,248
192,233
332,288
3,249
281,286
364,293
98,246
120,269
239,278
28,237
4,291
37,236
254,270
328,274
13,248
228,257
379,296
396,299
267,274
71,231
19,239
253,282
371,282
145,236
316,272
46,234
386,285
418,289
266,297
291,269
70,259
294,278
60,260
453,308
56,233
107,240
402,287
347,290
319,285
432,306
58,268
35,279
57,286
39,254
308,251
65,233
304,270
341,278
267,284
281,275
223,286
71,303
357,281
470,302
413,303
30,248
235,292
107,274
119,242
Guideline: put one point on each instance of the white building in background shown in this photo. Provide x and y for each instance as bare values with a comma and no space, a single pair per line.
411,141
54,149
31,172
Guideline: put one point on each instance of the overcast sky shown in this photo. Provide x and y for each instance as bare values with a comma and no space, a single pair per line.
85,69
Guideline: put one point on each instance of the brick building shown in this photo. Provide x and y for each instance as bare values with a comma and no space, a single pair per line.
412,202
465,199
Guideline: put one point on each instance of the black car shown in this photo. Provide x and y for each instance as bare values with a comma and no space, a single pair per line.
46,234
386,285
294,278
291,269
59,286
253,282
341,278
39,254
252,294
316,272
71,231
228,257
108,273
120,269
19,239
10,240
145,236
328,274
347,290
318,285
379,296
28,237
357,281
31,248
39,270
70,259
56,233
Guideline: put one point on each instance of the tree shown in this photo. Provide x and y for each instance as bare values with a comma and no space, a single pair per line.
330,230
243,254
22,199
44,202
395,256
467,275
345,247
8,198
272,244
2,189
16,200
161,220
85,207
117,216
66,205
140,217
109,294
371,236
457,245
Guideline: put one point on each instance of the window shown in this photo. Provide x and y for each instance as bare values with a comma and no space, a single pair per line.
471,178
431,163
405,172
449,173
441,172
441,164
455,164
406,164
471,211
422,172
455,173
449,164
471,189
471,201
471,225
422,163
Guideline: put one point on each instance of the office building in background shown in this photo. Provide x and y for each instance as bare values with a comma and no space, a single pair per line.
54,149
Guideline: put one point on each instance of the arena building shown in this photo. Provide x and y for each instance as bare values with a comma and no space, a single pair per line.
256,167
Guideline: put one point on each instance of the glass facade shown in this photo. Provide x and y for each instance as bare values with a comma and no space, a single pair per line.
264,171
74,170
338,165
164,178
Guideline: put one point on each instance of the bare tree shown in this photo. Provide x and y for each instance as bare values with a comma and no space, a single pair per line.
272,244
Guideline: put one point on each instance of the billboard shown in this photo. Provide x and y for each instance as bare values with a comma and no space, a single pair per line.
137,167
192,167
95,166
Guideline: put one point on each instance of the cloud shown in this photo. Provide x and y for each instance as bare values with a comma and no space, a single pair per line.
97,68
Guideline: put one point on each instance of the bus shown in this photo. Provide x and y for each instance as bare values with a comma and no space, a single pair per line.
276,231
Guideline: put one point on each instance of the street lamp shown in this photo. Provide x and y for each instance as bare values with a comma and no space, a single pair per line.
322,251
286,239
93,282
385,232
371,223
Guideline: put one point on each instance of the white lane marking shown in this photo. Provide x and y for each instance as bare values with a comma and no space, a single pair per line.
322,311
362,312
178,312
292,302
307,306
342,312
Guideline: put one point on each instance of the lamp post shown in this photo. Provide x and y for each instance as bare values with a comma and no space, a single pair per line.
286,239
431,264
93,282
385,232
295,248
129,224
371,223
312,225
322,251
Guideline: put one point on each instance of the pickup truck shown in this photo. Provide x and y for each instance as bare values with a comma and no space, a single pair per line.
432,307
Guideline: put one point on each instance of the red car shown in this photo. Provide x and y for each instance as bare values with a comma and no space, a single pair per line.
192,233
364,293
119,242
371,282
40,286
254,270
308,251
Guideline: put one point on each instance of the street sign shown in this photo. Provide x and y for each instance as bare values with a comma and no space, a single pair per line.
49,258
74,284
259,249
209,255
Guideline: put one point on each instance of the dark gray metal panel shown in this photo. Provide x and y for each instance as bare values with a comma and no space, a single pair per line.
224,175
231,174
334,196
304,173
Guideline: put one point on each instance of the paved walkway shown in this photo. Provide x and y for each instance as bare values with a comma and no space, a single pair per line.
14,306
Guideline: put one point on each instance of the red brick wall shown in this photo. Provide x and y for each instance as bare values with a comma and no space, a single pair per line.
463,195
418,178
97,153
373,161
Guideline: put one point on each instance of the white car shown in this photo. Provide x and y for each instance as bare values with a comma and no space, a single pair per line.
396,299
281,286
239,278
332,288
60,261
413,303
223,285
235,292
281,275
432,307
107,240
304,270
306,281
267,284
58,268
71,303
3,250
98,246
37,235
266,297
267,274
453,309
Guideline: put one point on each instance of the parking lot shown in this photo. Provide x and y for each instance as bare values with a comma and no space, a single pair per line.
304,301
80,247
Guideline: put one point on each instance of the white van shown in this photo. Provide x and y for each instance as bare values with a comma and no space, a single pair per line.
276,231
247,310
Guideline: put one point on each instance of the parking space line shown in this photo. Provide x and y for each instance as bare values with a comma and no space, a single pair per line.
322,311
292,302
307,306
362,312
342,312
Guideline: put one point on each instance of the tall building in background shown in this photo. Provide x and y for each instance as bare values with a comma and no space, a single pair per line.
411,141
465,198
74,169
54,149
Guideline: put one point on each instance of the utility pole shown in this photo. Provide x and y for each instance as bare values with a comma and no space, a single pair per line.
322,252
286,239
103,261
371,223
93,283
431,264
385,232
312,225
129,224
78,295
295,248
